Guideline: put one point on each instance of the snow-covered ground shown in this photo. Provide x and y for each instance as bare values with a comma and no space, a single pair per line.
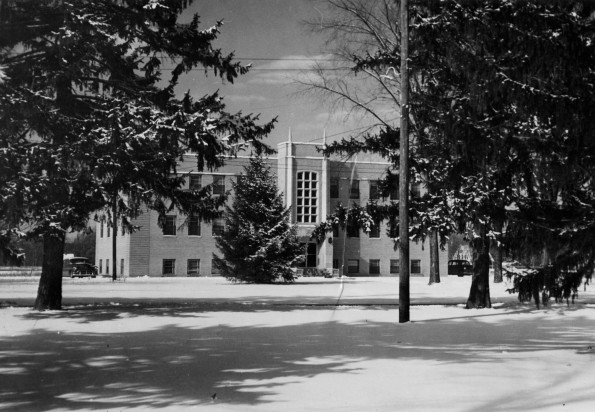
318,345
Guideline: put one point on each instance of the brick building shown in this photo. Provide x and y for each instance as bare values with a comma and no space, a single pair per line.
312,186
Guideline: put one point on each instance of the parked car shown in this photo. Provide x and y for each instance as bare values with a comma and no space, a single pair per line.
78,267
460,267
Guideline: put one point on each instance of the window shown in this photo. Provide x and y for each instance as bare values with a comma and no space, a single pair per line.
311,258
107,266
415,266
394,266
101,229
218,185
354,192
193,226
108,229
214,268
352,230
218,226
195,182
416,190
394,187
169,267
374,190
100,266
193,267
169,226
393,229
335,263
352,265
374,266
334,188
459,150
375,230
307,197
121,267
335,231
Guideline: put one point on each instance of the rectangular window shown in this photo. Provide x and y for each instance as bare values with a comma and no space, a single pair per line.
354,192
352,230
193,226
100,266
334,188
218,225
416,190
394,266
374,190
169,267
107,266
121,267
394,188
415,266
218,185
307,197
101,229
352,265
310,254
335,231
214,269
374,266
393,231
169,226
335,263
375,231
108,229
195,182
193,267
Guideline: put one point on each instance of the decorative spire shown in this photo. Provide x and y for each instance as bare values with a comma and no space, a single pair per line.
289,137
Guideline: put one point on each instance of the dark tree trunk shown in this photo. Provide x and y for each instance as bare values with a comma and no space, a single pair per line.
49,293
497,249
434,258
479,295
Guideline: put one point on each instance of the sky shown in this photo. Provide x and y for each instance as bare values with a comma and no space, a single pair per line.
270,35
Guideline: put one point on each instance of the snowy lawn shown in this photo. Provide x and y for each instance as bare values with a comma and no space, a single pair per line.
171,344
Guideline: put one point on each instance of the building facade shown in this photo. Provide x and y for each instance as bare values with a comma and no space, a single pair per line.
312,185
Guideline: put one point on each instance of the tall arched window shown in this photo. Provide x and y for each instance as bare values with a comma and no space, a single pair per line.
307,197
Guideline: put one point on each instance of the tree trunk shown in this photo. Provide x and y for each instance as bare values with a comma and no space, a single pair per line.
497,249
404,301
49,292
434,258
479,295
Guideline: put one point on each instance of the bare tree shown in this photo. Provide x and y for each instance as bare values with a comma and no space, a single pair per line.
356,31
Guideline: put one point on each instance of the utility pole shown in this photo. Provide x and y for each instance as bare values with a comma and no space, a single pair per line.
114,240
404,301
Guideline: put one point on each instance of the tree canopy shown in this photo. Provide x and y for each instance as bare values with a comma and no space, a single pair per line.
259,243
501,129
90,119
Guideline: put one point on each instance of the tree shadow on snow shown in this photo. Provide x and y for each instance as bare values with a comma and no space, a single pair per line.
103,365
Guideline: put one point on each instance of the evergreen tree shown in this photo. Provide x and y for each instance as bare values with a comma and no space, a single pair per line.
90,122
259,243
501,93
506,84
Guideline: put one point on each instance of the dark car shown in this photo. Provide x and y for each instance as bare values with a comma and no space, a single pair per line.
460,267
78,267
